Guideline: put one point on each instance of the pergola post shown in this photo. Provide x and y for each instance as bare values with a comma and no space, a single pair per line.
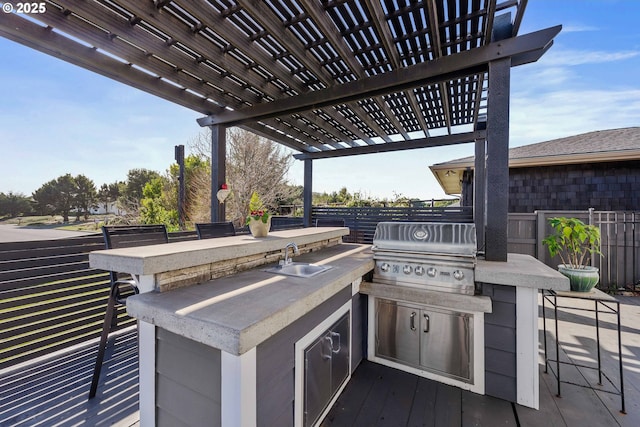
307,193
497,166
218,170
480,191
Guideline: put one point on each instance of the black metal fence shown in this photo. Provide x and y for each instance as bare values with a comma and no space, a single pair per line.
50,298
362,221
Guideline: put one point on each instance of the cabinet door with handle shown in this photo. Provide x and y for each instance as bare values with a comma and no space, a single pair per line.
398,332
339,352
317,378
446,343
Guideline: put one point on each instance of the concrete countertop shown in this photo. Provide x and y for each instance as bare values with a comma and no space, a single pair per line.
236,313
153,259
521,270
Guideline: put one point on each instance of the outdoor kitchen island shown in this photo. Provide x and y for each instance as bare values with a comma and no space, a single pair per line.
230,351
227,351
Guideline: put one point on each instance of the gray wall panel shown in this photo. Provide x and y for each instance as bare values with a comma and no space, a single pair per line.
358,330
500,386
500,342
187,381
277,355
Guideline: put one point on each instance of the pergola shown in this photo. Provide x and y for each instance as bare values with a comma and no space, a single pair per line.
326,78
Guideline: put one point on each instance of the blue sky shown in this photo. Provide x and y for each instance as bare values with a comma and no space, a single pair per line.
56,118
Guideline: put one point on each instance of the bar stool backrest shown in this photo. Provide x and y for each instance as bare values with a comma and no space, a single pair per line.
209,230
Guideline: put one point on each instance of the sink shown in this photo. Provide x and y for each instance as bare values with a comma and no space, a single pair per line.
299,269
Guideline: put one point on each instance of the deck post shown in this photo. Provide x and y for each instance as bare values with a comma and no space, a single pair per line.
218,170
308,191
480,191
497,172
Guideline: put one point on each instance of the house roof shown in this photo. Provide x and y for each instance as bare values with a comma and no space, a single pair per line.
592,147
325,78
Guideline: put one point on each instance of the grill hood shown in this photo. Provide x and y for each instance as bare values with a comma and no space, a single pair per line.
457,239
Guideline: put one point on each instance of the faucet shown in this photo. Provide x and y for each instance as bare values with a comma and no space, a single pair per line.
287,260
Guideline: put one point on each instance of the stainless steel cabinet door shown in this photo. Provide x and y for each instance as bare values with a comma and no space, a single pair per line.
398,332
340,352
446,343
317,381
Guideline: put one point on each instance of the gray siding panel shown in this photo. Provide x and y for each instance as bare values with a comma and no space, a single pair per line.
276,364
500,336
187,381
358,330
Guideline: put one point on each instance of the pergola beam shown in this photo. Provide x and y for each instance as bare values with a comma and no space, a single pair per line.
464,63
433,141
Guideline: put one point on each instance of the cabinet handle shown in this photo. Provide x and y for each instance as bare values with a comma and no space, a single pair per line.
426,322
412,321
330,344
334,335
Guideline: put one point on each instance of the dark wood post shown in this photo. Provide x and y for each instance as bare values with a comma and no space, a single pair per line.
307,194
179,155
497,173
218,170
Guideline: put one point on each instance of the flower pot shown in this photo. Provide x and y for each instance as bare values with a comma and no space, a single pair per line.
581,279
259,228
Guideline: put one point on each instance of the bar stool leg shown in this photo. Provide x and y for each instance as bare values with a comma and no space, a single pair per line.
555,314
620,359
544,327
106,328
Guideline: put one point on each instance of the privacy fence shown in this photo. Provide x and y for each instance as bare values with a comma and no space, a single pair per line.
620,232
50,299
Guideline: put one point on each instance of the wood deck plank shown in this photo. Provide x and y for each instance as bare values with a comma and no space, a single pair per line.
54,391
487,411
347,407
400,396
424,404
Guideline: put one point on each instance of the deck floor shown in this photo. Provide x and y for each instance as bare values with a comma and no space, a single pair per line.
53,391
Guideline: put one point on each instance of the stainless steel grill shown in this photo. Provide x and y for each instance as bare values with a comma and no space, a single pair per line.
433,256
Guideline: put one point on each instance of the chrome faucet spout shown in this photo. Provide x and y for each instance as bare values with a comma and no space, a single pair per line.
296,251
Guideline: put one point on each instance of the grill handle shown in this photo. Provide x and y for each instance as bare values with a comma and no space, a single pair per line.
412,321
427,323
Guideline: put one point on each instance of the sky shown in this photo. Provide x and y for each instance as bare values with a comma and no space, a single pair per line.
57,118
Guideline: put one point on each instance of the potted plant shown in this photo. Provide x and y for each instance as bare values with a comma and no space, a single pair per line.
259,219
574,242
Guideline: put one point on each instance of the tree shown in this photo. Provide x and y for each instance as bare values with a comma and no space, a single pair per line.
253,164
108,194
136,181
57,196
155,208
14,204
85,196
196,170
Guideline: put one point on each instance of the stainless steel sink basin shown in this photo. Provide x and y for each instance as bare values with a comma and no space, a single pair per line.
299,269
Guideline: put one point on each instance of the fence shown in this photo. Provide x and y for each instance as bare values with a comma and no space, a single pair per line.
362,221
51,299
620,232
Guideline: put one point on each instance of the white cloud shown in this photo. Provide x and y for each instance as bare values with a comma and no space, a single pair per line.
562,113
580,57
578,28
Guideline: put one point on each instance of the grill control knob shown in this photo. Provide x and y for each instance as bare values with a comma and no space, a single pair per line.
419,270
431,272
458,275
407,269
384,267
